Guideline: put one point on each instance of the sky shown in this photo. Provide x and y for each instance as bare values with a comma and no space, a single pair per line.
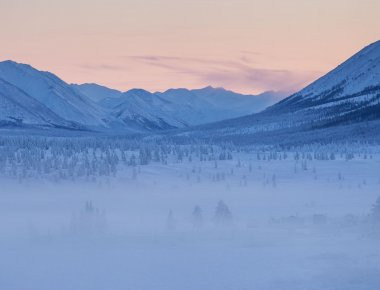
248,46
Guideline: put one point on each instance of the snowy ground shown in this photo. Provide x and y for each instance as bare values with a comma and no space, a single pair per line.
296,225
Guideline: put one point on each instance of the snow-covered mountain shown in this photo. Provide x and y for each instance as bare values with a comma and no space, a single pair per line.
349,94
49,101
144,109
19,109
349,90
179,108
53,93
96,92
210,104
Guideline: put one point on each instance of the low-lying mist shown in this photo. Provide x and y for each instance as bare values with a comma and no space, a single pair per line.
252,220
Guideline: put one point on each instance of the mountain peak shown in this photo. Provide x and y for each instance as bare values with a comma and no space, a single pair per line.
211,88
11,63
176,90
138,91
8,61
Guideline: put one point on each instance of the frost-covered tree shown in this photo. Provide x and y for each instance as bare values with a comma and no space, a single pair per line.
197,217
170,221
89,221
376,211
223,214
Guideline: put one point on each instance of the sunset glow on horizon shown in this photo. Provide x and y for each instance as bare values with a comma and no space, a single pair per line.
248,46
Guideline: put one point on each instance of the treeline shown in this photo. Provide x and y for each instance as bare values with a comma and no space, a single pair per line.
60,158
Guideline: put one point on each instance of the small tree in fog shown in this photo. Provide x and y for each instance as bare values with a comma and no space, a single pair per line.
91,220
170,221
223,214
134,173
89,206
376,210
197,217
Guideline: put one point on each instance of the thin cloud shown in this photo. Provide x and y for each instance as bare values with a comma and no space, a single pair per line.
102,67
182,60
231,74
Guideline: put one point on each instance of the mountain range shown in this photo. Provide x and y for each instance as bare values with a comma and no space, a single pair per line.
176,108
33,98
340,101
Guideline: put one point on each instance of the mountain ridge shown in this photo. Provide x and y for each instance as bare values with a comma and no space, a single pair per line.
136,110
348,94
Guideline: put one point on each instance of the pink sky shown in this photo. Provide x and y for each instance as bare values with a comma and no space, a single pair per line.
248,46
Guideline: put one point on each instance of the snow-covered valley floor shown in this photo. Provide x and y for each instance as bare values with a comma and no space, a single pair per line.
294,224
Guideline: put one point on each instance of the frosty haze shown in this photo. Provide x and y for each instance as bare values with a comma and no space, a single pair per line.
89,213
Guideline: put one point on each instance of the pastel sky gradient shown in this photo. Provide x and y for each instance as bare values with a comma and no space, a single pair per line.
248,46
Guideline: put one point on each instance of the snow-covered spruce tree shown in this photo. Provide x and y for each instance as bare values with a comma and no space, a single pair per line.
223,216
